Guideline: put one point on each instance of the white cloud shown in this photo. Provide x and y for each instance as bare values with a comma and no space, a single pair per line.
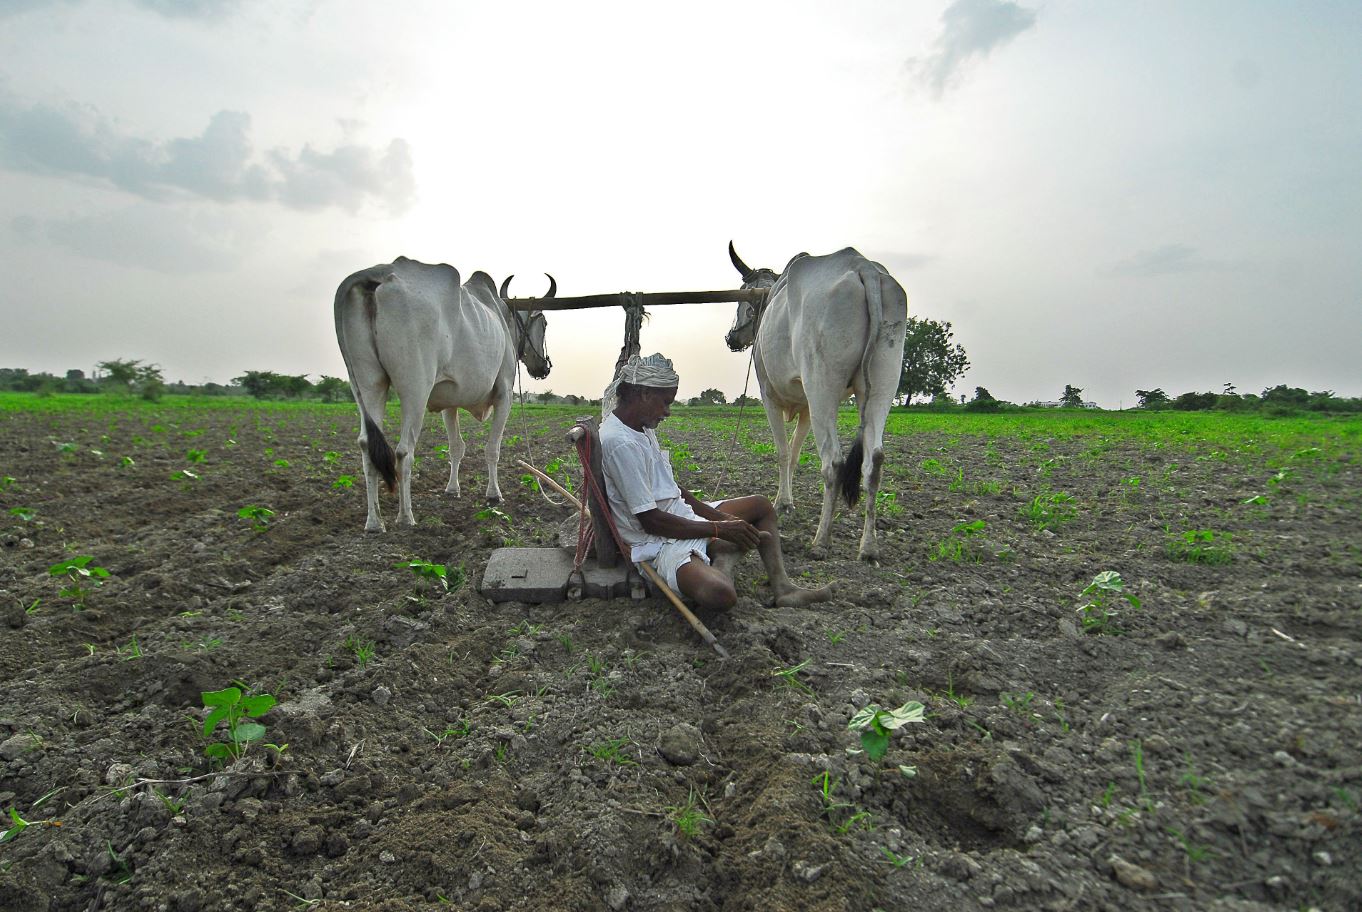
220,164
970,29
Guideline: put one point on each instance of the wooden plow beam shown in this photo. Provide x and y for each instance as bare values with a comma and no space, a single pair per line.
647,299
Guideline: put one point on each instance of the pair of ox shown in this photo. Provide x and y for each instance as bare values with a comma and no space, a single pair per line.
441,346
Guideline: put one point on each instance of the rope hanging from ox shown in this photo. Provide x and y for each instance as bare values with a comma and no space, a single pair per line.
758,309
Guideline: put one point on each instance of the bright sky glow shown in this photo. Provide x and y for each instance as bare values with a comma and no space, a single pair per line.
1116,196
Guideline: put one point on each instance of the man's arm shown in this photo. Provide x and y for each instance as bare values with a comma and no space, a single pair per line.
724,527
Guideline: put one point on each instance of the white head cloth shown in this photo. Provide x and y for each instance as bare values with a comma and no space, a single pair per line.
654,371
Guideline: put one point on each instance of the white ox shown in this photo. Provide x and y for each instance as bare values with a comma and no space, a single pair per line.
831,326
442,346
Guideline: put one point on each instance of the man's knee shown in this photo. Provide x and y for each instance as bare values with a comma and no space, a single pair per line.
709,587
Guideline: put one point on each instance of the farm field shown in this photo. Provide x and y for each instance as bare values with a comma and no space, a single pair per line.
1184,732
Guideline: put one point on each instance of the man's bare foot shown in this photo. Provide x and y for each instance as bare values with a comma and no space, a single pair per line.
795,597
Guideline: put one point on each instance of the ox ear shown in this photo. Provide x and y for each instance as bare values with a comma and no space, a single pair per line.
738,264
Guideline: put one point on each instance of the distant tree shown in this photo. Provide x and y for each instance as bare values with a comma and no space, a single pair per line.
712,397
1194,402
983,401
1152,399
331,389
1285,396
931,364
744,399
121,372
1072,398
546,396
259,384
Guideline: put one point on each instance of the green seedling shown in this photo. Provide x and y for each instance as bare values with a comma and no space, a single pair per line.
932,467
438,574
343,482
196,455
1195,854
82,577
836,636
23,513
1049,509
887,504
961,700
331,457
126,462
230,705
875,725
789,677
173,805
1060,717
958,545
508,699
688,817
1018,702
610,751
7,482
1194,782
130,651
281,463
1099,612
19,824
1202,546
184,475
899,861
33,606
363,650
565,640
525,628
258,517
458,730
1137,755
1108,795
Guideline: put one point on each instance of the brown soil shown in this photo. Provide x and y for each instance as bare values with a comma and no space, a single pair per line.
1207,753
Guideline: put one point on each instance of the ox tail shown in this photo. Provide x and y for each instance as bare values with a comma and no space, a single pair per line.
381,455
849,472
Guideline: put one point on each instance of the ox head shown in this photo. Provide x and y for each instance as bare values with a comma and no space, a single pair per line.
744,331
528,329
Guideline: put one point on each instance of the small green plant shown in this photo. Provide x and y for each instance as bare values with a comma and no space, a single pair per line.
331,457
610,751
899,861
1098,613
459,729
1060,717
887,504
688,817
343,482
1049,509
82,577
1018,702
196,455
1108,795
1195,854
841,816
789,677
835,636
959,544
961,700
438,574
6,482
131,651
1137,756
258,517
1202,546
875,725
126,462
232,706
23,513
932,467
363,650
19,824
1193,781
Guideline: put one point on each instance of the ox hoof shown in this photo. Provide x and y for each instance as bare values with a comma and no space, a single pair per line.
453,489
494,500
784,509
870,557
375,527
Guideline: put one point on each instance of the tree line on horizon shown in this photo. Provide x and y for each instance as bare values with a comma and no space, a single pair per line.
932,362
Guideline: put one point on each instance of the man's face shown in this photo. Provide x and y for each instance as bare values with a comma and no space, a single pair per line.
656,404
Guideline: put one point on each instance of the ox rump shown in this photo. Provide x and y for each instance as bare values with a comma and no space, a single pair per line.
441,346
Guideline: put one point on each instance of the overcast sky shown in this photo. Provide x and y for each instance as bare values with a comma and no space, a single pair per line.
1113,195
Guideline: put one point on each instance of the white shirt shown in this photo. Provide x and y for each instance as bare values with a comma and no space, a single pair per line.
638,478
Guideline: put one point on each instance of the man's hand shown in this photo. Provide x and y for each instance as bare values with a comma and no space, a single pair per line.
738,532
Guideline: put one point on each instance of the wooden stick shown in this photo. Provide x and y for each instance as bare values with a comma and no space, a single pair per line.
551,483
648,299
680,606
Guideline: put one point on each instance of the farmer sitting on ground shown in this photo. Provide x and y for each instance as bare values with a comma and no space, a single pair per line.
661,523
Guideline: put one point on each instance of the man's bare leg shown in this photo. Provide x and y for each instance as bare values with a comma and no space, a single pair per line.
758,511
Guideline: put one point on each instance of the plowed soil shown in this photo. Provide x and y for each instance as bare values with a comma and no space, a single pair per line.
1203,750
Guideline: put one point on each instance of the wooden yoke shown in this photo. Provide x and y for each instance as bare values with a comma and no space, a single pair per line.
586,436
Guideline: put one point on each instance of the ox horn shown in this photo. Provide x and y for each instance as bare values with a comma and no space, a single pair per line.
505,286
738,263
553,286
